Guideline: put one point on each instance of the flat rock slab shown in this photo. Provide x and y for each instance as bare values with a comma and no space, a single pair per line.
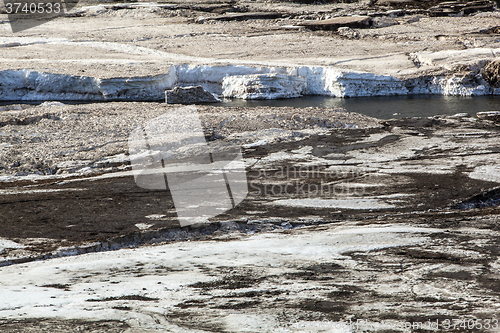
240,16
456,7
448,59
395,2
337,22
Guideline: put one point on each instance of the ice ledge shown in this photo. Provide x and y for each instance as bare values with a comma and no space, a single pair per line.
241,81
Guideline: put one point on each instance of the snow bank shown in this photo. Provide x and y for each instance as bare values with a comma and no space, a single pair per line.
239,80
30,85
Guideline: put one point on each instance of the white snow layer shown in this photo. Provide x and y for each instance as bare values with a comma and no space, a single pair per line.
236,79
263,86
349,203
27,290
8,244
228,81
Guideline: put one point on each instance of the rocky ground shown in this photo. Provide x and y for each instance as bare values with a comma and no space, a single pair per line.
350,224
391,222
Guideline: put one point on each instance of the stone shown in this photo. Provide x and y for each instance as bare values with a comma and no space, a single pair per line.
337,22
489,115
459,115
348,32
491,73
263,86
383,22
190,95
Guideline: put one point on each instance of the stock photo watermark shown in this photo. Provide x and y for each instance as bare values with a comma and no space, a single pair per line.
362,325
307,181
171,152
206,179
24,14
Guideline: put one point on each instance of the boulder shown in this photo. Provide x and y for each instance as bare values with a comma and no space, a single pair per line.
383,22
491,73
190,95
263,86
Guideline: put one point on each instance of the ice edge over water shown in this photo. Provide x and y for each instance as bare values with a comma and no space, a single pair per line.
31,85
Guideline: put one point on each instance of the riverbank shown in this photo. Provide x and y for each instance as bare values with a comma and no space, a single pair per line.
399,52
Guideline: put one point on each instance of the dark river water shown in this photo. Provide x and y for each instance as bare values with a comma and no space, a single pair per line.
387,107
378,107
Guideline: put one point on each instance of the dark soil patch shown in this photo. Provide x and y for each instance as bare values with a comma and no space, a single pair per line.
346,291
318,272
426,255
101,209
125,298
460,275
123,308
254,293
238,305
39,325
190,304
490,282
64,287
486,199
491,72
321,306
230,282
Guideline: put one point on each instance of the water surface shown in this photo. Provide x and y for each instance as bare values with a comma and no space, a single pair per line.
378,107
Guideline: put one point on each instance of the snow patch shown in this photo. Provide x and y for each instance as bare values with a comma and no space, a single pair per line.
143,226
8,244
350,203
27,289
487,173
263,86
